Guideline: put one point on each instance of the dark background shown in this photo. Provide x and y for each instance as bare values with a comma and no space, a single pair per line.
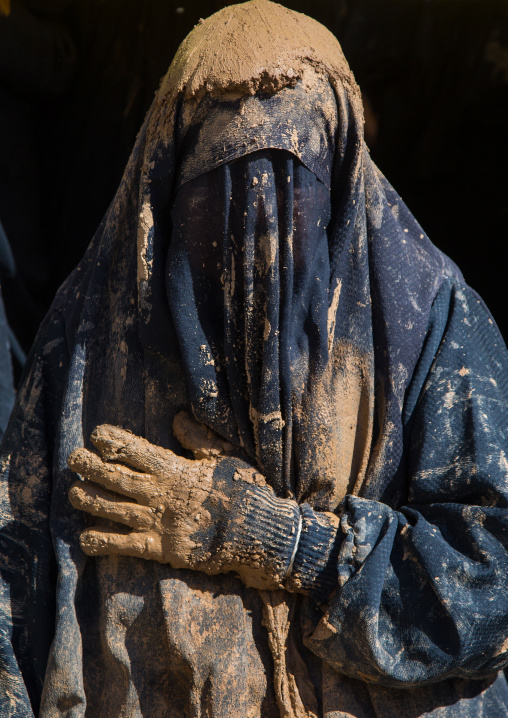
77,77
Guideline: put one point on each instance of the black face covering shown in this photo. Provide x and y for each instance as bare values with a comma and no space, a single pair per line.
299,289
248,275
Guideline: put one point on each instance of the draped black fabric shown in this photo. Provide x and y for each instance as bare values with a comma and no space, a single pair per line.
281,291
300,258
247,284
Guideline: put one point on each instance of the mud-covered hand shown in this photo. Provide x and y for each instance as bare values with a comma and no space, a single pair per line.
207,514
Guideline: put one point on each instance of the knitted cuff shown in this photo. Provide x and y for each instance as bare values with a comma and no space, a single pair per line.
291,546
267,531
315,569
255,529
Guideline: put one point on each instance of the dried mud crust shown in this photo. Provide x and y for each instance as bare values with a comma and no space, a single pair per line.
257,46
254,47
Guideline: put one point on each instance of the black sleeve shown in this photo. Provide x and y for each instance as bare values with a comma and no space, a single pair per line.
421,593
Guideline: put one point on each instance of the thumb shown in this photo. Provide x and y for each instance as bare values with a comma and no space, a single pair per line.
199,438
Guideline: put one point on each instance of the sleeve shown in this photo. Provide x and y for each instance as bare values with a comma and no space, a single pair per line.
421,593
27,563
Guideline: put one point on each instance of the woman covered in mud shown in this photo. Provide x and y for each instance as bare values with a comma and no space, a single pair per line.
289,413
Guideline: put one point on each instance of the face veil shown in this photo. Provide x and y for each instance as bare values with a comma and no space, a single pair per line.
249,277
248,272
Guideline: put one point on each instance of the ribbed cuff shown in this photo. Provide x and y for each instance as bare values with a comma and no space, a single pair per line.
267,530
315,569
292,546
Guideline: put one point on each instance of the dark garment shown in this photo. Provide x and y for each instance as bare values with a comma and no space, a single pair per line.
8,341
289,300
6,374
423,583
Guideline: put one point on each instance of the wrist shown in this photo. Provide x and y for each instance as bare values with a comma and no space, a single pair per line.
266,533
259,531
314,570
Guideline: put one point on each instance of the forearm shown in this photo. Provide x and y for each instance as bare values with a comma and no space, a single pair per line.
269,540
414,596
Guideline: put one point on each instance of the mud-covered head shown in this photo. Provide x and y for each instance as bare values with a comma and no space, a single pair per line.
253,49
247,50
257,46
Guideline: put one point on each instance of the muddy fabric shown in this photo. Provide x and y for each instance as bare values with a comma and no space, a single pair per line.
343,355
6,374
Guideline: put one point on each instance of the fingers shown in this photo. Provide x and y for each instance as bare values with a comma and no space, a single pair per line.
89,497
114,477
199,438
115,444
99,541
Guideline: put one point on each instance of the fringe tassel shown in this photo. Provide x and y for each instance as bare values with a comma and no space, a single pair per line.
277,607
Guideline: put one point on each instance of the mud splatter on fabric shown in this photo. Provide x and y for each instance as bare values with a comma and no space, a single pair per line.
256,268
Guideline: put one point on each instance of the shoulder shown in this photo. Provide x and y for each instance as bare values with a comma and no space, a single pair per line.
463,346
